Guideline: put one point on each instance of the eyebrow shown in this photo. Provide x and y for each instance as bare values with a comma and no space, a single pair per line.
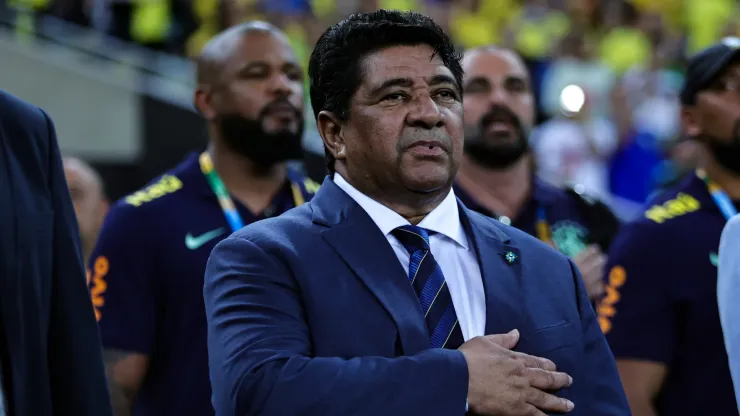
408,83
483,80
265,65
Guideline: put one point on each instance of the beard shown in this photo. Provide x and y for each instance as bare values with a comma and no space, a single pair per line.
726,153
500,154
248,138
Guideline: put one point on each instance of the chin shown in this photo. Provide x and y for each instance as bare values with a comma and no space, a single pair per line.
427,180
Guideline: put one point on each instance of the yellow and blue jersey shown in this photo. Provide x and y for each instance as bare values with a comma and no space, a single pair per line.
146,280
661,301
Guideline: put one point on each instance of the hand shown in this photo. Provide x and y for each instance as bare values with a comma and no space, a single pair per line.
591,262
507,383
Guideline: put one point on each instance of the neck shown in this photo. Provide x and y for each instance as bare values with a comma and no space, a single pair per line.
413,206
501,191
252,185
728,181
87,250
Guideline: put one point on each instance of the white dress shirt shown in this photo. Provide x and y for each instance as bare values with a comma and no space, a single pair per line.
450,247
728,293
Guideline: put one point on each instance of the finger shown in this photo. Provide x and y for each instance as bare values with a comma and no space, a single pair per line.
547,402
547,380
534,362
593,265
596,290
530,410
591,250
508,340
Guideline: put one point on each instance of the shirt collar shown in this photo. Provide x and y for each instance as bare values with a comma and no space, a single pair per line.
444,219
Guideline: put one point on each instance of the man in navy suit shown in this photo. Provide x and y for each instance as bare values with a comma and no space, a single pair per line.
50,357
376,297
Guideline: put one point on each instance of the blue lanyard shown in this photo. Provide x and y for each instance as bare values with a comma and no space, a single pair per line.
720,197
224,200
543,227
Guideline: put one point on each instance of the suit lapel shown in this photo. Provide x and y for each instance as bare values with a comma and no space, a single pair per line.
361,244
502,278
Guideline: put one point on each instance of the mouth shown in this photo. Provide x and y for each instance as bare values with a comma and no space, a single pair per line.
427,148
282,111
428,144
499,127
500,124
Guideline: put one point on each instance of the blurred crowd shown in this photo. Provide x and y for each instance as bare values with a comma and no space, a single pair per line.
605,72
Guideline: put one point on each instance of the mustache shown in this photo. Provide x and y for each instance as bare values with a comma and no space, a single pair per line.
423,135
500,113
280,104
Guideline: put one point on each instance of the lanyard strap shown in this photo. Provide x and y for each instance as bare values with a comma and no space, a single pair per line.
217,186
227,204
720,197
543,227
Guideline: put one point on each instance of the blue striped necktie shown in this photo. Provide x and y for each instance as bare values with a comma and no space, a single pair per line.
431,288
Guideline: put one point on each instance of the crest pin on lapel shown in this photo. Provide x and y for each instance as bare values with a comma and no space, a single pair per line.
511,257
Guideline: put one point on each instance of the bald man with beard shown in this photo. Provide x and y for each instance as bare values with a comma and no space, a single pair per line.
88,197
148,264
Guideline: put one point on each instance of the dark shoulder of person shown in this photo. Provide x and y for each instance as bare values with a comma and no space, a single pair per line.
27,132
598,218
18,112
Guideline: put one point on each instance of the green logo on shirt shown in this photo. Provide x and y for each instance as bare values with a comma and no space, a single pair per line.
714,259
569,237
193,243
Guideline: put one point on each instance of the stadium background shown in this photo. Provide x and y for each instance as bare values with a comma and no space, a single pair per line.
115,75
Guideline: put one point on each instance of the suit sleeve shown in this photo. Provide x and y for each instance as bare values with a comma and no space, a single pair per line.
607,393
728,291
259,347
75,360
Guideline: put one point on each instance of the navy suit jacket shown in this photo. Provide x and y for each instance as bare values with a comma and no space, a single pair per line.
49,343
311,313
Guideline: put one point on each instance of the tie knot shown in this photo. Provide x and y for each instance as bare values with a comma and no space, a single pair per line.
412,237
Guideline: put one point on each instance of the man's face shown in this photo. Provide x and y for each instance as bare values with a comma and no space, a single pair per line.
715,118
405,125
89,203
499,107
259,99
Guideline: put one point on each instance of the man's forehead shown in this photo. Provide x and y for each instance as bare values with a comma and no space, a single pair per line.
260,47
417,63
77,174
76,178
493,63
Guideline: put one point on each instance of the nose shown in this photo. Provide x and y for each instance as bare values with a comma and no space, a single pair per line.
425,114
280,85
499,96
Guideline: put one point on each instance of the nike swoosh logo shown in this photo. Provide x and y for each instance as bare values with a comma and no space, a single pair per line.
714,259
194,243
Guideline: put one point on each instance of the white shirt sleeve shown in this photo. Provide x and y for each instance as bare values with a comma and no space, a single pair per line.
728,291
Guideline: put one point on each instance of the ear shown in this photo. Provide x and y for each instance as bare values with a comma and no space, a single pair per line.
690,122
330,129
203,102
104,208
